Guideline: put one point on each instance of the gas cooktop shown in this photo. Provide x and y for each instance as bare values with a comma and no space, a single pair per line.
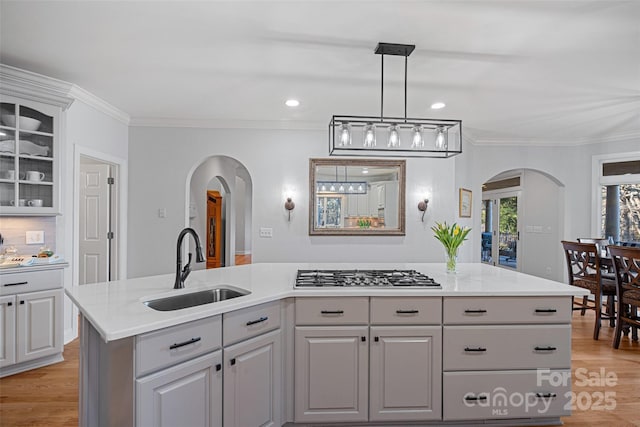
364,278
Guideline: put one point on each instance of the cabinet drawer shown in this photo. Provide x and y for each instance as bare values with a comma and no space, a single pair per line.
506,347
169,346
406,311
246,323
332,311
486,310
505,394
17,283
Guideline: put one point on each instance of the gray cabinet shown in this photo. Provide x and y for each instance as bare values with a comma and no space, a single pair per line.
188,394
405,373
332,372
495,351
252,382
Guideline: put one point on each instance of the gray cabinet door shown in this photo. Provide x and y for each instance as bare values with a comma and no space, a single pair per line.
8,330
252,382
188,394
406,373
331,373
39,321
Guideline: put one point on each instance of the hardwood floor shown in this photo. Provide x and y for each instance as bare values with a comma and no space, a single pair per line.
49,396
243,259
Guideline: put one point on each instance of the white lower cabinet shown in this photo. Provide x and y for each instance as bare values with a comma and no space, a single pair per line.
188,394
331,373
39,321
406,368
252,382
31,315
8,330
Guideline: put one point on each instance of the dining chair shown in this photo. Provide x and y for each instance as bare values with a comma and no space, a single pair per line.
583,266
626,264
600,242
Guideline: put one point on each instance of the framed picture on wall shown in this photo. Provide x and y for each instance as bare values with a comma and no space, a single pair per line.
464,206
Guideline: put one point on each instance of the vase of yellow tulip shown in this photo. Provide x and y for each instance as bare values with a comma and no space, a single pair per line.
451,236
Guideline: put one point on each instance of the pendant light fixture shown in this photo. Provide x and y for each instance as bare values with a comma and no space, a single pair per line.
438,138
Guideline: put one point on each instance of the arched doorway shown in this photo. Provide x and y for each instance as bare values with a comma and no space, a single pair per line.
232,181
522,222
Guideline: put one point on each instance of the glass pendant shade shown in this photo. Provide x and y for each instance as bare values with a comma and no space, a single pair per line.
417,141
345,134
441,139
369,135
394,136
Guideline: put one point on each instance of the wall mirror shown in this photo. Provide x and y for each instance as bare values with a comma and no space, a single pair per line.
356,197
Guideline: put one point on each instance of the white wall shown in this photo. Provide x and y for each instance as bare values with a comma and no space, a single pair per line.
277,160
90,131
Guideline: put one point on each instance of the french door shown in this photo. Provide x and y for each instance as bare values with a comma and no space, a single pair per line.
500,229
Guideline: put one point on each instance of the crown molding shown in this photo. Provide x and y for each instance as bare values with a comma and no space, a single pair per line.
37,87
99,104
34,87
226,124
569,142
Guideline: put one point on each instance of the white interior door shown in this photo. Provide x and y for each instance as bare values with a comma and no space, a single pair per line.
94,213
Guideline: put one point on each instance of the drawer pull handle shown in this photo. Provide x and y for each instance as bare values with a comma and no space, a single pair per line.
16,284
407,311
546,310
477,350
475,398
480,311
232,361
548,348
545,395
332,312
260,320
218,367
182,344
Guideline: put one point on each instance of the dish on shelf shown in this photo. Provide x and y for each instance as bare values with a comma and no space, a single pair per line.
33,149
7,145
26,123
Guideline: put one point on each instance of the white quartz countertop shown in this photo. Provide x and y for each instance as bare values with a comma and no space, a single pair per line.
117,311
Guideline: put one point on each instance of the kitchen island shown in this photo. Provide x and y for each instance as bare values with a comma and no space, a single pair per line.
483,347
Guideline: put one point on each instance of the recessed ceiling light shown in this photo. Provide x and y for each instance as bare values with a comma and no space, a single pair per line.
292,103
437,105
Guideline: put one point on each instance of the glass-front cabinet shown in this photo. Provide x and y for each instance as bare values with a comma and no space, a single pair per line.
28,158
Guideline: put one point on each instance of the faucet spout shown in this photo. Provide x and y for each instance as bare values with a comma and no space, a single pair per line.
183,273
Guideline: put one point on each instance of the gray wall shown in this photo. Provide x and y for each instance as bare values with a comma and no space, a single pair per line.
278,160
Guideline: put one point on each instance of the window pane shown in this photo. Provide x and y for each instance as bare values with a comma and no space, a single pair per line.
621,212
621,168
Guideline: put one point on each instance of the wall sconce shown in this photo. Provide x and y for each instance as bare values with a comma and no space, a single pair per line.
289,205
422,207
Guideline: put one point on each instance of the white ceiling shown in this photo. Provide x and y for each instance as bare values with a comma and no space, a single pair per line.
545,72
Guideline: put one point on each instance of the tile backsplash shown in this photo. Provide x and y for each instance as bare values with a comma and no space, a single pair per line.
13,230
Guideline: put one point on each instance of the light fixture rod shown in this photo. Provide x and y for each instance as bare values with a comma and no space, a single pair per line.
382,88
405,88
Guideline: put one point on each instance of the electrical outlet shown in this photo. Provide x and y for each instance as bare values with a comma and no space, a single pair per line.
34,237
266,232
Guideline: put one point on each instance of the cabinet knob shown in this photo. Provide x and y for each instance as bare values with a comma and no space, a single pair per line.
363,339
376,339
9,304
22,302
232,361
218,367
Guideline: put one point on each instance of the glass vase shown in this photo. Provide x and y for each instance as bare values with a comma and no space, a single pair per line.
452,261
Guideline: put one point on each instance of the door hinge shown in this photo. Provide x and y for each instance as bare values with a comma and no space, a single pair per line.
111,180
110,235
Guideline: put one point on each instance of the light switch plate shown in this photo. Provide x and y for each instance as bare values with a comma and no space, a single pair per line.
266,232
34,237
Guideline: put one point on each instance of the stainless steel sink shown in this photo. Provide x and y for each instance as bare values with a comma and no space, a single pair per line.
178,302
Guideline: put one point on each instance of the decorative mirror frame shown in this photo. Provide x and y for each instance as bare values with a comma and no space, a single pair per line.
369,163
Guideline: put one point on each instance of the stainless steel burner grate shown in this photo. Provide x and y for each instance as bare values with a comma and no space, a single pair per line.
368,278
